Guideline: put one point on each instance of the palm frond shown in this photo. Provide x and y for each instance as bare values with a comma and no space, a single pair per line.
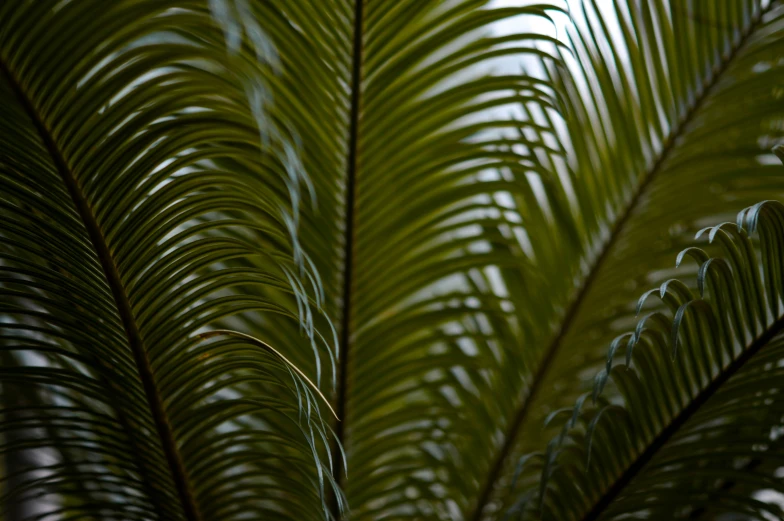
141,196
439,152
698,407
422,153
662,137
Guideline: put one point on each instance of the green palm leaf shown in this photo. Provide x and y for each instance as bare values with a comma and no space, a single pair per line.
651,97
708,149
425,242
698,405
141,192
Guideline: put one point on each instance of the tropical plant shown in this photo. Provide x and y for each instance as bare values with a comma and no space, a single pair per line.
225,220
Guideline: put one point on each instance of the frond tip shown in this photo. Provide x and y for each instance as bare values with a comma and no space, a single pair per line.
684,400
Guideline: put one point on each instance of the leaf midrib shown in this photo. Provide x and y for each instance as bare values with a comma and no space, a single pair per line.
617,230
672,428
114,281
348,258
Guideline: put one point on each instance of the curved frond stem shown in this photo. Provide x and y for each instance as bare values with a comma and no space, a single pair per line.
348,260
121,300
672,428
616,232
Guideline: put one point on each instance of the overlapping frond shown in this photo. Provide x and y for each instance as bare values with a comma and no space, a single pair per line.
436,266
670,113
693,419
428,227
146,200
